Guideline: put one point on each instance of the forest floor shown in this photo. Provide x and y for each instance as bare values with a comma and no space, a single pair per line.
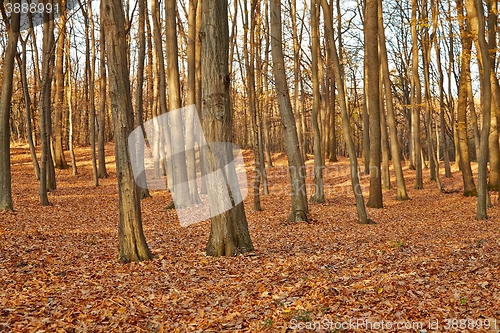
427,265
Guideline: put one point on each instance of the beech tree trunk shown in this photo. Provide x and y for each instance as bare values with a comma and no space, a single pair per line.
461,125
319,191
401,193
229,230
356,187
295,161
101,116
5,99
59,159
373,101
132,243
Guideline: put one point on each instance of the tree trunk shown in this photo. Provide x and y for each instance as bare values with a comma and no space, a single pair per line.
373,101
101,117
182,197
401,193
229,230
139,100
60,161
475,17
191,102
461,125
45,100
29,108
319,191
92,60
435,20
69,101
132,243
360,203
5,100
295,161
416,100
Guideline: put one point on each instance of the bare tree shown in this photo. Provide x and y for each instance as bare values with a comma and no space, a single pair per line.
229,230
132,243
5,99
295,161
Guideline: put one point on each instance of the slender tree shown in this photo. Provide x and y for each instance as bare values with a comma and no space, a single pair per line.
5,99
132,243
319,191
59,159
295,161
373,101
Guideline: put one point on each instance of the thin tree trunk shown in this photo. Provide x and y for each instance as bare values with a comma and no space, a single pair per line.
5,106
28,107
295,161
401,193
91,75
465,33
182,197
373,101
319,191
45,100
191,102
139,100
360,203
69,101
101,117
416,100
60,161
475,15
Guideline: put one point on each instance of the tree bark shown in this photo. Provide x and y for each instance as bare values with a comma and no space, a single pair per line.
101,116
295,161
59,159
416,100
373,101
475,15
229,230
401,193
319,191
461,125
360,203
132,243
5,99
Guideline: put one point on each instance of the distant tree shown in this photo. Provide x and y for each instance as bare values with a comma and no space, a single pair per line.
132,243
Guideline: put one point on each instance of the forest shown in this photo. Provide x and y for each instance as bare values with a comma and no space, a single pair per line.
249,166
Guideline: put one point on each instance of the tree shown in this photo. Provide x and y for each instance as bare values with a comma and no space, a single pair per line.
229,230
416,100
132,243
373,101
463,145
319,192
475,15
101,116
401,193
45,103
59,159
295,161
5,99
